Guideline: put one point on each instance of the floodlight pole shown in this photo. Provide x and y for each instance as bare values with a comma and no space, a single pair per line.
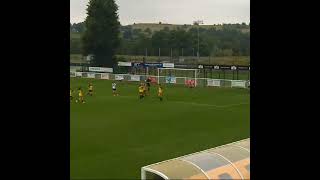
198,22
198,44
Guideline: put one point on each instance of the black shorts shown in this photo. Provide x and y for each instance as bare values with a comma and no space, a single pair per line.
114,89
90,90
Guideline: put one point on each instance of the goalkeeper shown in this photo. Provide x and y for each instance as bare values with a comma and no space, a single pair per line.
148,81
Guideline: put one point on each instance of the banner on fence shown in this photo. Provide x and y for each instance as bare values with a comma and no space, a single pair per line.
128,64
72,74
168,65
84,74
171,79
134,78
104,76
118,77
78,74
225,67
97,75
137,64
159,65
91,75
207,66
235,83
243,68
191,66
75,68
214,82
100,69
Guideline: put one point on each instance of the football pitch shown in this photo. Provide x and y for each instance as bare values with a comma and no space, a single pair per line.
112,137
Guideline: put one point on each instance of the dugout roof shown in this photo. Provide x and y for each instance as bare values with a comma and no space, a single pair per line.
230,161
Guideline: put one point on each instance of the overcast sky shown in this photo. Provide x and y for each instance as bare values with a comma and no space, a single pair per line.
172,11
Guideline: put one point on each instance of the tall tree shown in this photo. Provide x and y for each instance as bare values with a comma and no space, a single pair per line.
101,37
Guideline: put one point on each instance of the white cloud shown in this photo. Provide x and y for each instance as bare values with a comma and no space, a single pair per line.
173,11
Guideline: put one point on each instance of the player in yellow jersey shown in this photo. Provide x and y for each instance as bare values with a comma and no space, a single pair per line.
90,88
160,92
144,89
141,91
71,94
80,95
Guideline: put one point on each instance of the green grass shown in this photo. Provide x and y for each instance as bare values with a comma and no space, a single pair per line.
113,137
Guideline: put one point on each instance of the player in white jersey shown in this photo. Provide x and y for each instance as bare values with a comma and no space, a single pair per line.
114,89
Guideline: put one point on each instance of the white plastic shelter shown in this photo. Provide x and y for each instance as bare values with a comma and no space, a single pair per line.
230,161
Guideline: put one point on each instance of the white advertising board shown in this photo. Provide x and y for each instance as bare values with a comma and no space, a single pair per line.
168,65
118,77
91,75
100,69
78,74
104,76
214,82
124,64
134,78
239,83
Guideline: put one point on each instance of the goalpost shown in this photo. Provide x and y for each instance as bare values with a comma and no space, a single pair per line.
177,75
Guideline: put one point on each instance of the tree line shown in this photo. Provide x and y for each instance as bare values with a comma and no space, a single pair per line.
229,40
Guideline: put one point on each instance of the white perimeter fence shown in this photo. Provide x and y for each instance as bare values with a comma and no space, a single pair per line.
201,82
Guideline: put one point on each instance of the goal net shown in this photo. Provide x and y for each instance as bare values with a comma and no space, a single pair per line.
187,77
